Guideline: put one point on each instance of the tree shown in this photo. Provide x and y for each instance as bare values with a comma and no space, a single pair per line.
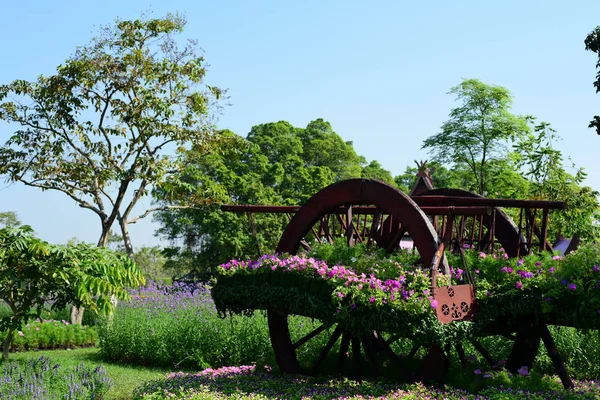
543,164
103,129
9,218
282,165
478,130
592,43
34,273
151,262
374,170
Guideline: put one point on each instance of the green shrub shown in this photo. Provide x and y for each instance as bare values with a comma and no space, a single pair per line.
52,334
43,380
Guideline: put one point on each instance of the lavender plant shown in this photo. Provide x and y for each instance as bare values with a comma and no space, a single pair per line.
41,379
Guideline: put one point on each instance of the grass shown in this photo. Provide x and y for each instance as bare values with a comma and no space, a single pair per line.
125,377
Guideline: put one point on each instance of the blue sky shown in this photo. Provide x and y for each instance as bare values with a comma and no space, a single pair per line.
378,71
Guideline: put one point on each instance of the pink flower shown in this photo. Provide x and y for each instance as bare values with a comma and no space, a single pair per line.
572,287
556,258
341,295
505,256
519,285
21,333
482,255
372,299
434,304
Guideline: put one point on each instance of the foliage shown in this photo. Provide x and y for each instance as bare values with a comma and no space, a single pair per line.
283,165
124,377
34,273
543,164
592,43
374,170
252,382
382,294
9,218
151,262
51,334
177,326
42,379
102,130
478,130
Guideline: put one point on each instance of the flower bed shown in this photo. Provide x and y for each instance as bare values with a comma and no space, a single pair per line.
41,379
384,294
250,382
51,334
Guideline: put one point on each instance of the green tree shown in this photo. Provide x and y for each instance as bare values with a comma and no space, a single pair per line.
34,273
592,43
282,165
151,262
103,129
9,218
544,165
374,170
478,131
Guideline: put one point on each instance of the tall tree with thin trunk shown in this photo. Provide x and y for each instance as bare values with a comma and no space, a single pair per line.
478,131
108,126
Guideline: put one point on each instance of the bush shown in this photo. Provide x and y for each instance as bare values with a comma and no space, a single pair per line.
52,334
178,326
40,379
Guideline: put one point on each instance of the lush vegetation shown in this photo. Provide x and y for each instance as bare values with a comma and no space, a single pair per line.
42,379
34,273
51,334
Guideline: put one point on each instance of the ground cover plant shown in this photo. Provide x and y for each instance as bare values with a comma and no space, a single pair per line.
40,378
251,382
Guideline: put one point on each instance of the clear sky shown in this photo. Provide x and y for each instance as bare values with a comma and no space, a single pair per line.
378,71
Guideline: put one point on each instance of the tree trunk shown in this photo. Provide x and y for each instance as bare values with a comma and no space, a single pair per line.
126,237
6,344
103,241
76,315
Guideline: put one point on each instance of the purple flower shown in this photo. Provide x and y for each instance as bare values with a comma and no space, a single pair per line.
596,268
564,282
520,262
551,270
477,372
519,285
548,299
487,376
572,286
524,371
372,299
537,264
556,258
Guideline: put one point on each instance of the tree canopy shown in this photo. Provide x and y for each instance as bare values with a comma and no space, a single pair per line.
592,43
282,165
107,126
478,131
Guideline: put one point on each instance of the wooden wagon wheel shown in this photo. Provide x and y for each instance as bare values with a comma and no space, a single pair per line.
407,217
527,339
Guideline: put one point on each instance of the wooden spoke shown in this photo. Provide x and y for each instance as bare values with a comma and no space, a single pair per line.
367,342
356,354
334,337
309,336
343,350
488,357
461,355
557,360
413,350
